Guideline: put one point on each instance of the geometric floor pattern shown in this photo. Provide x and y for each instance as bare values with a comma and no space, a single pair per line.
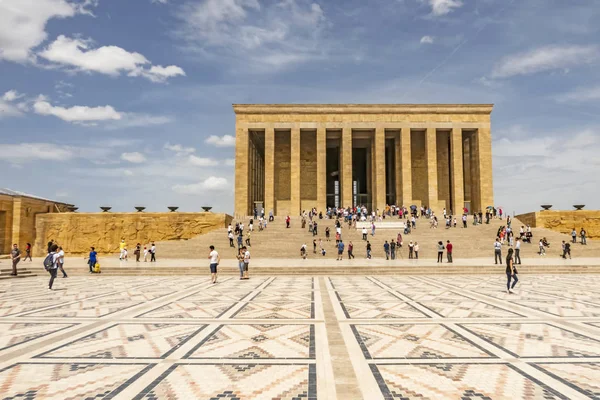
422,337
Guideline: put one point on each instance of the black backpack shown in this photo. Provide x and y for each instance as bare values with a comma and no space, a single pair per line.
49,261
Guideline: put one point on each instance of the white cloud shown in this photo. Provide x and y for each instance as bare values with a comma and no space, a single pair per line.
179,148
266,36
581,94
202,161
12,95
159,1
135,157
221,141
23,24
7,106
426,40
443,7
135,120
77,113
109,60
211,183
546,58
29,152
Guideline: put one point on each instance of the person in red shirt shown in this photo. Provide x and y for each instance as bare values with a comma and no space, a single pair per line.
449,251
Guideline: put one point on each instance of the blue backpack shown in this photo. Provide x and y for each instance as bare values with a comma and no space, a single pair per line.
49,261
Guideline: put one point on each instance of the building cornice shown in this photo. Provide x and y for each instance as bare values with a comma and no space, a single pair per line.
363,108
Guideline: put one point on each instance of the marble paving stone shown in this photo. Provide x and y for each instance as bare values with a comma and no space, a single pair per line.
459,381
128,341
268,296
562,308
353,297
207,296
536,340
269,341
189,309
377,310
414,341
467,309
12,307
62,381
86,309
13,334
276,310
234,381
583,377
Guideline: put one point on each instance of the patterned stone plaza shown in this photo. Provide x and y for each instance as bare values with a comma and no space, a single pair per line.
381,337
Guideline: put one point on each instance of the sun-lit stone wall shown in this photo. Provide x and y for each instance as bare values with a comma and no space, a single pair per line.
565,221
77,232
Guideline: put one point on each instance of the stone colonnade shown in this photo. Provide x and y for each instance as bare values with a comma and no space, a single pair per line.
294,157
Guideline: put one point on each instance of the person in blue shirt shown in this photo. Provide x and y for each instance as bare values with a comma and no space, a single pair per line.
386,248
92,259
340,247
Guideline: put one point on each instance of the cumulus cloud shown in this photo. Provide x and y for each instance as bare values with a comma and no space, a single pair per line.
179,148
28,152
546,58
426,40
7,106
211,183
443,7
23,24
221,141
79,55
77,113
266,36
202,161
134,157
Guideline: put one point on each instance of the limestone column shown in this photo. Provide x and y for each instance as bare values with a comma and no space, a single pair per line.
379,170
321,169
346,168
295,172
241,172
456,168
269,170
406,167
398,167
432,181
483,153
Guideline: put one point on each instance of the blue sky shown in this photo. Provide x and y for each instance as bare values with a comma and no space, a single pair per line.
126,103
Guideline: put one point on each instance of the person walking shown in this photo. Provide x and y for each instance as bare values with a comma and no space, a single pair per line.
15,256
518,251
327,234
303,251
368,250
153,253
464,220
393,249
497,251
440,247
386,249
583,235
214,258
567,251
240,258
248,238
246,262
28,252
122,247
239,241
314,246
364,233
137,252
145,254
350,250
52,269
340,247
92,259
574,235
287,221
61,260
542,249
511,272
230,236
449,248
411,248
416,246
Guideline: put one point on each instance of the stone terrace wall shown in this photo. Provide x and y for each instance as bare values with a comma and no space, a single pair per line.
77,232
564,221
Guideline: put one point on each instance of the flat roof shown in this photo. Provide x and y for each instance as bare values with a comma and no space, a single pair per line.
16,193
363,108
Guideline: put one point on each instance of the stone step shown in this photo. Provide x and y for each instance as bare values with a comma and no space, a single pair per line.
19,276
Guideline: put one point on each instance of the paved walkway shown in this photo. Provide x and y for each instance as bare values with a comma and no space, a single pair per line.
292,262
383,337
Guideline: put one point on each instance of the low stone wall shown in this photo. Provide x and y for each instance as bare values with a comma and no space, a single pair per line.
77,232
564,221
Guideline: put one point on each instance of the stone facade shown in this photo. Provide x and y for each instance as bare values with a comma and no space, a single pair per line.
18,213
564,221
442,155
77,232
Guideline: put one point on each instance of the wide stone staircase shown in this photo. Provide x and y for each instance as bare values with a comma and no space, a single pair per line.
277,241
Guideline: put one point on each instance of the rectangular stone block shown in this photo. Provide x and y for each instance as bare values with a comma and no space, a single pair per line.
269,169
346,167
295,172
432,182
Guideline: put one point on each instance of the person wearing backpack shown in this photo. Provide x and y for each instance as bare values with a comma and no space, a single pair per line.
51,264
92,259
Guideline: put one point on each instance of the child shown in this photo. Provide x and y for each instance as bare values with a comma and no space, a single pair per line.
145,254
125,253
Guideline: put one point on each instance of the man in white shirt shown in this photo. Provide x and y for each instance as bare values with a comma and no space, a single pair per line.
246,262
55,261
61,261
518,251
214,258
153,253
497,251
